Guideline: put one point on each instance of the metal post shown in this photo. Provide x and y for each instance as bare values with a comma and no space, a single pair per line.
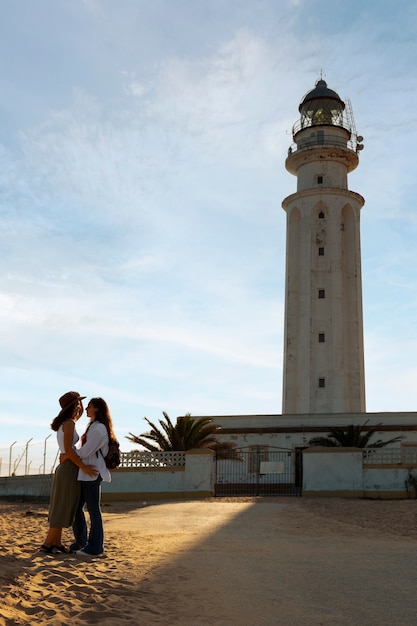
26,455
258,468
56,459
10,458
44,453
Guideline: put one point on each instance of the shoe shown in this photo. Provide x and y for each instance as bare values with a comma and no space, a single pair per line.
48,549
62,549
83,552
74,547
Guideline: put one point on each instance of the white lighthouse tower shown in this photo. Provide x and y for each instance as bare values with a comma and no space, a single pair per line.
323,343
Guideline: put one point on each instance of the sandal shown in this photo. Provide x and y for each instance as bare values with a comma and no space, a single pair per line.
63,549
48,549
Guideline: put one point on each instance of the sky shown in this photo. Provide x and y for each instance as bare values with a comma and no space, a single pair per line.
142,170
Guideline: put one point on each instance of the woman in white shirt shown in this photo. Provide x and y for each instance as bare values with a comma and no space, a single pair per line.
95,446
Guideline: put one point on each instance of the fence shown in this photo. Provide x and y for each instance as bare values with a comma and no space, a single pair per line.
31,457
143,475
260,471
41,457
390,456
347,472
143,458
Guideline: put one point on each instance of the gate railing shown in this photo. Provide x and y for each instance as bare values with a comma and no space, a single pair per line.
261,471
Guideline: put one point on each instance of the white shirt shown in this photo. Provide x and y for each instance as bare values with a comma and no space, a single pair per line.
97,440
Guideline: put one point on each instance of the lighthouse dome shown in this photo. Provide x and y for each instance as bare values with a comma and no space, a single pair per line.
321,105
321,90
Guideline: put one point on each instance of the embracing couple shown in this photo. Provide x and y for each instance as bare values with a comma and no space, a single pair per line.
78,477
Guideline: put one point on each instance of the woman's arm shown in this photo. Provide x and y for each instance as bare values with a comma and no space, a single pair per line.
68,430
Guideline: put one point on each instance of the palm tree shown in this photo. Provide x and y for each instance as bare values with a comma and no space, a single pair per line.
186,434
352,437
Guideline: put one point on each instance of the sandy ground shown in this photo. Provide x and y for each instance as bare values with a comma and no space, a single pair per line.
218,562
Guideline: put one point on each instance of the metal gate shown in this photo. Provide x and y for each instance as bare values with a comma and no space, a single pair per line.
260,471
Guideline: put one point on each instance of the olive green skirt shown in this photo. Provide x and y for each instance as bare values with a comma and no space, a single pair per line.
65,495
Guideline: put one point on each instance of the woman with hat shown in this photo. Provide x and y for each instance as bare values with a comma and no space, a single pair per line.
65,491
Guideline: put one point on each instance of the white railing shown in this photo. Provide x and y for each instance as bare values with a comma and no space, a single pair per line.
330,140
144,458
390,456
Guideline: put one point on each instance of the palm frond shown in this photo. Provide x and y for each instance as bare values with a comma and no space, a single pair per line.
186,434
352,436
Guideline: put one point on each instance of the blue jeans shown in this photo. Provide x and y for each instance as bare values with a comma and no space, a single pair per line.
90,495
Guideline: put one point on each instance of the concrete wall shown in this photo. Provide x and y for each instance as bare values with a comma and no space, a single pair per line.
327,472
332,471
37,486
387,482
343,472
196,479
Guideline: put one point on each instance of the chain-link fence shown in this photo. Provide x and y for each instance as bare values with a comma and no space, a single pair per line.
29,457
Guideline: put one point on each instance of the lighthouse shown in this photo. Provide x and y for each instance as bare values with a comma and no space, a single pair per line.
323,335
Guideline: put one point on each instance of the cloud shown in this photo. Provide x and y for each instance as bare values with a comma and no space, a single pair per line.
143,243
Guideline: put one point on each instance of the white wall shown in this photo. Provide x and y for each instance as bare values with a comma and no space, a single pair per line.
326,472
196,479
334,470
345,472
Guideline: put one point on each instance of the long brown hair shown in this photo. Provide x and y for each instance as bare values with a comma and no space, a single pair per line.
67,414
103,415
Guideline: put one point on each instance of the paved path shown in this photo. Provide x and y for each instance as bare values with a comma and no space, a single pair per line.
273,562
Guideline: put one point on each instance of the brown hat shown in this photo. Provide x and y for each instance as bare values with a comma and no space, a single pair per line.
68,399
